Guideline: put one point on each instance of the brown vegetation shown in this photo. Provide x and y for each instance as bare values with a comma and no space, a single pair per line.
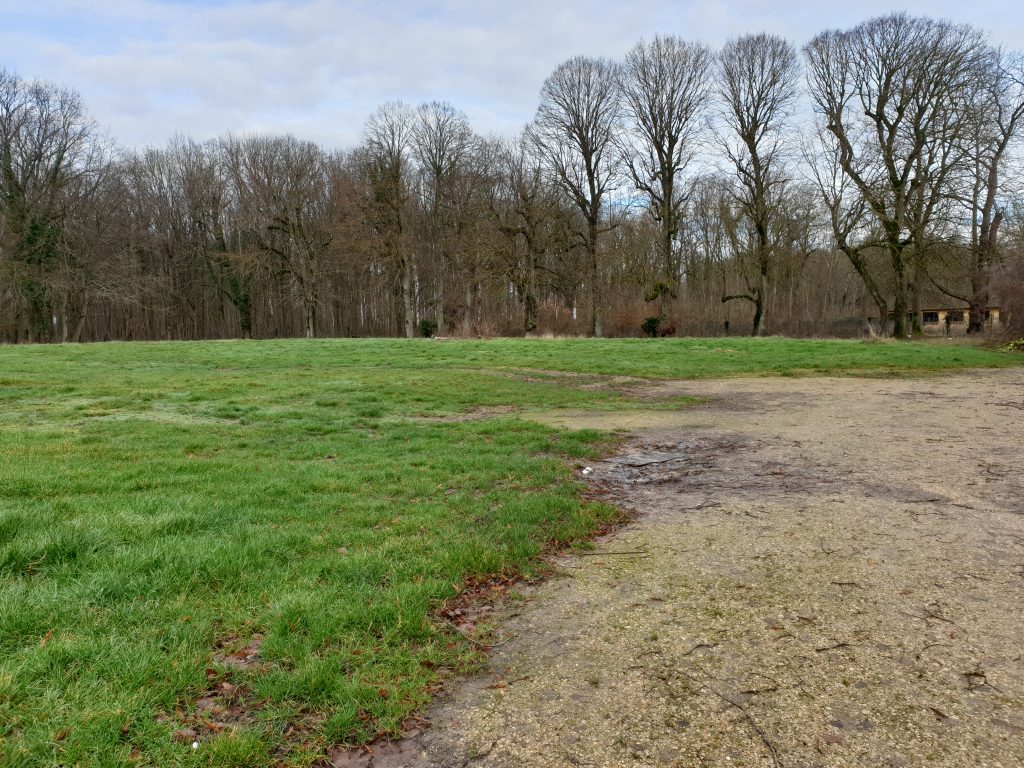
665,185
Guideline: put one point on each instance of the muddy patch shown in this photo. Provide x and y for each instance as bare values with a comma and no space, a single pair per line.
627,420
594,381
226,704
478,413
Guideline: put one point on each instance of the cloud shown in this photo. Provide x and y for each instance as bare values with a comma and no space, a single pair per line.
317,68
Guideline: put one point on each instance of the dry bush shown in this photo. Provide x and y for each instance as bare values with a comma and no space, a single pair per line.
1008,293
626,319
555,318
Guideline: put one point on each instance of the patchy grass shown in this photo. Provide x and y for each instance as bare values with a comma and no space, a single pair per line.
247,539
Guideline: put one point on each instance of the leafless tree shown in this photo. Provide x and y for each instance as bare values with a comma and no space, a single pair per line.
758,85
530,213
52,159
214,220
913,154
442,142
472,235
666,89
388,134
705,241
575,130
159,231
848,216
183,210
283,189
894,93
998,116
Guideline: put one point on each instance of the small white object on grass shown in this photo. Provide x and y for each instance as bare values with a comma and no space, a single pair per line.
195,745
587,470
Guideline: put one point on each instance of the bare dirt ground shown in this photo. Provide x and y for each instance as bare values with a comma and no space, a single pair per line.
822,572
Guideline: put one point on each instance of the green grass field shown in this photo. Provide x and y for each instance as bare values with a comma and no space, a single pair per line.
164,507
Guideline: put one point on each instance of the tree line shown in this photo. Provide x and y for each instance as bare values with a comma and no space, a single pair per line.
756,189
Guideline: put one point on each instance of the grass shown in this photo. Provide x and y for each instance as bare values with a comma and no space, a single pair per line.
163,505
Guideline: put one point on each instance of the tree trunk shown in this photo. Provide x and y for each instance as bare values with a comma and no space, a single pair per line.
244,306
530,298
668,273
64,325
439,296
869,282
595,287
899,299
916,317
76,336
981,271
310,299
310,321
467,300
759,306
407,299
978,307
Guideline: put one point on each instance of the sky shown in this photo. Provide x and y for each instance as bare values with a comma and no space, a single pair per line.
150,69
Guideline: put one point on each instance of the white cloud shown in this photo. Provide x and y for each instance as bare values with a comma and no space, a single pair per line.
151,68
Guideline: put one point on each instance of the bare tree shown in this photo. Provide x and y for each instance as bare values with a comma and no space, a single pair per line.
160,234
575,130
666,88
705,239
184,210
998,115
758,85
216,222
472,236
51,160
848,216
530,212
915,164
283,190
388,134
442,141
893,92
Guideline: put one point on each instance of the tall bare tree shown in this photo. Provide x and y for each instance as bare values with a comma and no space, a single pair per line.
894,92
387,137
530,213
666,89
998,116
575,129
161,234
472,235
52,160
283,186
916,160
215,221
442,141
848,216
758,85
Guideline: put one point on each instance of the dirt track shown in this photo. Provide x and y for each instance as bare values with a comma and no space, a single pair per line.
823,572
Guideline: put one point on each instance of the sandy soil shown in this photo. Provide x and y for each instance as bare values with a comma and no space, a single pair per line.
823,572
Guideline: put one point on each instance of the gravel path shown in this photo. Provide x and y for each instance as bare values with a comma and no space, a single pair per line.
823,572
